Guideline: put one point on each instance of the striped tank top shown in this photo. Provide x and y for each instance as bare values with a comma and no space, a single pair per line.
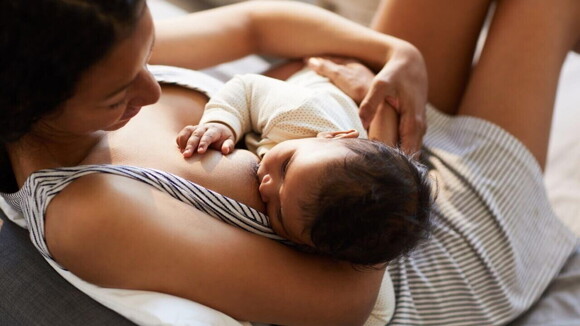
42,186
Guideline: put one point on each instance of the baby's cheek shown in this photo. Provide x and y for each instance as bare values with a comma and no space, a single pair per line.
300,233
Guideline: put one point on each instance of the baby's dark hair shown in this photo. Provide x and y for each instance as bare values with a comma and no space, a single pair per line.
372,207
46,46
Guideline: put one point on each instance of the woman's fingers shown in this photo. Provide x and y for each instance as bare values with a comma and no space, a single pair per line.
381,91
337,60
411,131
351,76
403,85
324,67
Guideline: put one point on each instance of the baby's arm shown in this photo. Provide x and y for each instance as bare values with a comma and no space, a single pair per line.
225,119
245,103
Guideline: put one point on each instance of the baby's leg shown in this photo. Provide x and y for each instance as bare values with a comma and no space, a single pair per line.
514,84
446,33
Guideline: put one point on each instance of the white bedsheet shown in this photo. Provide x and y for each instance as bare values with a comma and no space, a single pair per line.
563,167
151,308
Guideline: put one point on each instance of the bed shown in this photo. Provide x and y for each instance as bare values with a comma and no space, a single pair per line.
33,294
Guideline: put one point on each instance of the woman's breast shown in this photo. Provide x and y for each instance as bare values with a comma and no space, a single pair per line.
149,141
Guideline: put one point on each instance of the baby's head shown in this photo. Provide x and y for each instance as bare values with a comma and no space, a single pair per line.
348,198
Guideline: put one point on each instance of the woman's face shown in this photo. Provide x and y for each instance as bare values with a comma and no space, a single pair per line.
113,91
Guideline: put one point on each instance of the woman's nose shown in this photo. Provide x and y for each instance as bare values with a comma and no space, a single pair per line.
146,88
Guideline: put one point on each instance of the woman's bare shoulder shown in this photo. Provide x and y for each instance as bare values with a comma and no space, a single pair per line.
87,207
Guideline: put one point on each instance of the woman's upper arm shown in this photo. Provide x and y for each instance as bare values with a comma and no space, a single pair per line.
204,38
117,232
287,29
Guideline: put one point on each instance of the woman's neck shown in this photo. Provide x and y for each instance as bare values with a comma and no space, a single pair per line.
32,152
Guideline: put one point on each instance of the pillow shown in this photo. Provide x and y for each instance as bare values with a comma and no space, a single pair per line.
11,213
32,294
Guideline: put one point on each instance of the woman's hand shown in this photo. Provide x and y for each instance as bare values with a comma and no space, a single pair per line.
402,84
351,76
198,138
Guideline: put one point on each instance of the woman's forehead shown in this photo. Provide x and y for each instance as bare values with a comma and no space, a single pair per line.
122,63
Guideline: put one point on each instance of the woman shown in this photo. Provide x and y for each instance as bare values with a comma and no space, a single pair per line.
159,237
88,88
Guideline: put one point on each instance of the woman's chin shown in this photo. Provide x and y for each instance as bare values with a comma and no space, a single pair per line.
118,125
129,114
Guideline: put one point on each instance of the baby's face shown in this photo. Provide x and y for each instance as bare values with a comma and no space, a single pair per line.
288,174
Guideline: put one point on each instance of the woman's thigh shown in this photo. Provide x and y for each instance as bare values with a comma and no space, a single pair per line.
514,83
446,33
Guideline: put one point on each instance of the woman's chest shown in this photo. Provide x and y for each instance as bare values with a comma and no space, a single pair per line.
149,141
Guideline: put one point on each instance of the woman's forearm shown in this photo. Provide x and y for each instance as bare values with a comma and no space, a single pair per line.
285,29
299,30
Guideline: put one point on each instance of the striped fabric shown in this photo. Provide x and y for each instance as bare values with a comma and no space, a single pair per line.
496,243
41,187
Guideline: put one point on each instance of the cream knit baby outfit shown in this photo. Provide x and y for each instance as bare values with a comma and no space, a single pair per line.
270,111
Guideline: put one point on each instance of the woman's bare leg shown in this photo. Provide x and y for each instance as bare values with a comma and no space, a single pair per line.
445,32
514,84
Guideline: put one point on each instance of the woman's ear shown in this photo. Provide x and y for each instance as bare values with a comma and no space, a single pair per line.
338,134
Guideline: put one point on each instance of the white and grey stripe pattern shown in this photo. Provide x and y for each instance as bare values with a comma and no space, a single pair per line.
39,189
496,243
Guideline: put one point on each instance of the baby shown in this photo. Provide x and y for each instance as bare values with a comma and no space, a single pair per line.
325,189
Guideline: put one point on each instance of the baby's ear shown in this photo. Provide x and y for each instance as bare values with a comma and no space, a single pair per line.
338,134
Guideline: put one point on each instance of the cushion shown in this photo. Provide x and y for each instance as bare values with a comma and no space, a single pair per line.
32,293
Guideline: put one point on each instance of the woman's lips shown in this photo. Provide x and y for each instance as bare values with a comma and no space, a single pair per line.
131,112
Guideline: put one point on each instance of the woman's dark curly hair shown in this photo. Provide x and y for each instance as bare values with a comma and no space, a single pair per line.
45,47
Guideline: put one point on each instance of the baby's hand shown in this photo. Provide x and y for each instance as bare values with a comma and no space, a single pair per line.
199,138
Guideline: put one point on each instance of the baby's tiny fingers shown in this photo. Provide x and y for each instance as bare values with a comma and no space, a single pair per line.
193,142
228,146
183,136
209,137
188,151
